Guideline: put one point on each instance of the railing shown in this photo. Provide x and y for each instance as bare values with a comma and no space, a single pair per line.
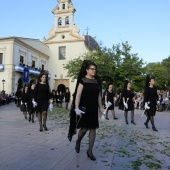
31,70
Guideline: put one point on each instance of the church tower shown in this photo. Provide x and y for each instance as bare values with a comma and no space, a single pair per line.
64,44
64,19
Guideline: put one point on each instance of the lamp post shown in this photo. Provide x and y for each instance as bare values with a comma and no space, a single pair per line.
3,81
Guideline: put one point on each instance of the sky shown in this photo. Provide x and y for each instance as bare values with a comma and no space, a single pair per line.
145,24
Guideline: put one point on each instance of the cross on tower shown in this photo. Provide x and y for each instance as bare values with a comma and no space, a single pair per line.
87,30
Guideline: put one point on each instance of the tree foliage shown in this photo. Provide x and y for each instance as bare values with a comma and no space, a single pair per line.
159,72
117,63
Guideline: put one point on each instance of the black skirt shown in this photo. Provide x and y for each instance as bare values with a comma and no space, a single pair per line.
42,106
111,107
150,112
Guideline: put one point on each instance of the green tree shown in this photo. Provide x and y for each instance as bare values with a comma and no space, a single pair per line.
129,66
166,64
114,65
159,72
101,57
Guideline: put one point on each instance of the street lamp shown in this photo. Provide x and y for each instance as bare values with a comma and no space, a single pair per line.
3,81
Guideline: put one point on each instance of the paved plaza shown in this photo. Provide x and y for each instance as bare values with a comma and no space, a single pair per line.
118,146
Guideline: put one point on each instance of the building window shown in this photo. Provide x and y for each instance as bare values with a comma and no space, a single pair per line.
60,22
42,67
33,63
67,21
62,53
1,57
63,6
21,60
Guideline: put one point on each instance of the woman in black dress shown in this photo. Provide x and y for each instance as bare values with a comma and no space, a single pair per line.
150,99
57,98
88,96
128,101
41,97
60,97
31,108
67,97
53,94
18,95
109,96
24,100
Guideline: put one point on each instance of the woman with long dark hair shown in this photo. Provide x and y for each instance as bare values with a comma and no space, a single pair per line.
150,99
128,101
41,97
109,97
86,104
31,108
67,97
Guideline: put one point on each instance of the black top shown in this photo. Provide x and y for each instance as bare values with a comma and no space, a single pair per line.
41,96
128,94
18,94
24,97
61,97
67,96
53,95
57,98
89,100
110,98
42,92
30,97
151,96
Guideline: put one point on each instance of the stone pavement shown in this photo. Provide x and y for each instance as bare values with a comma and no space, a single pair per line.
117,146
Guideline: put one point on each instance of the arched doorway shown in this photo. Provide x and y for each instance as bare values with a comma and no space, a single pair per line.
61,88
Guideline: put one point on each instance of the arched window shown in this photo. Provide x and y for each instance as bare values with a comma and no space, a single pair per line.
63,6
67,22
59,22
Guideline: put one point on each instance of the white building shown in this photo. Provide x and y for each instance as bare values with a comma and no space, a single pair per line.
63,44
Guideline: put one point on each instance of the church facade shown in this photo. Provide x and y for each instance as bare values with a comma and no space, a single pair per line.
62,44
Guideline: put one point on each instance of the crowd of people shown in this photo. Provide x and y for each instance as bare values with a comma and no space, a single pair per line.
88,104
60,97
36,98
5,98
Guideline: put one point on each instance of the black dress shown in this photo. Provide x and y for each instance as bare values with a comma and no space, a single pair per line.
151,96
18,95
41,96
61,97
110,98
128,94
30,97
67,97
24,99
57,98
89,100
53,97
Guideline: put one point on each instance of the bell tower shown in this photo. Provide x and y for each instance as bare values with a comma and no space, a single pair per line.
64,19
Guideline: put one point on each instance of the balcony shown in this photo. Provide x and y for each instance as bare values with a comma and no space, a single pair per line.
33,70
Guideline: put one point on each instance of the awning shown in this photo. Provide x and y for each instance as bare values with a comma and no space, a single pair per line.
31,71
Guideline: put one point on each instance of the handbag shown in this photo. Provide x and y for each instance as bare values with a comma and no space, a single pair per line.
23,108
